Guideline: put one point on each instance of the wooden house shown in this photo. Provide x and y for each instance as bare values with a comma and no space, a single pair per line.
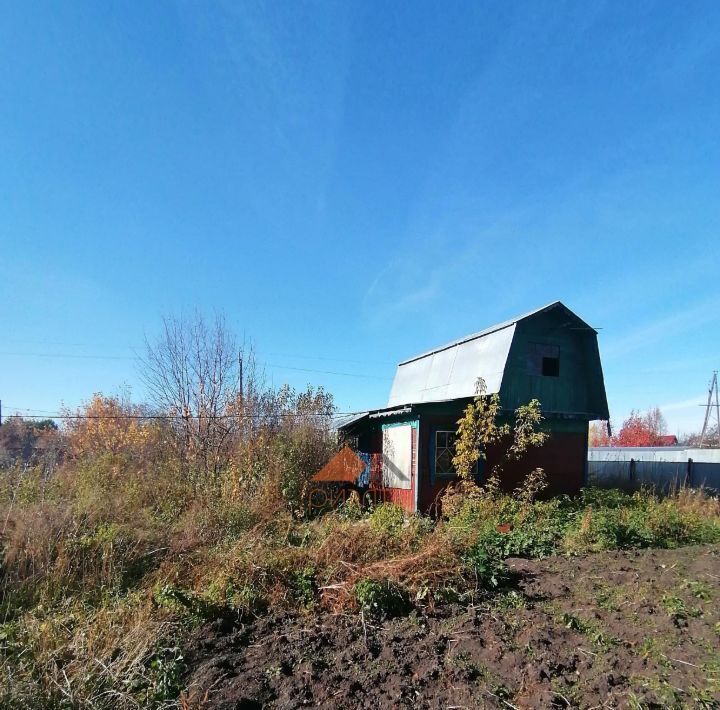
550,354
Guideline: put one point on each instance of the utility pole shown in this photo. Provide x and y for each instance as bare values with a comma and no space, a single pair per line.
709,407
240,363
240,422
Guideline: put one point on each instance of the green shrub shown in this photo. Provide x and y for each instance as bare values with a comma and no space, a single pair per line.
382,598
677,609
166,669
619,529
387,518
303,585
486,563
671,527
246,598
30,486
605,498
475,513
528,538
350,510
615,520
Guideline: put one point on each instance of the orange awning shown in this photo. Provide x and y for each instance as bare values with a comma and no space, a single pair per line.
344,467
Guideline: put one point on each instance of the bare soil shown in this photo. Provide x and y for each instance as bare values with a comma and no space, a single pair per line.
613,629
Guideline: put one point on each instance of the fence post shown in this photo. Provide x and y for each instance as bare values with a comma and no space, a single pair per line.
632,471
689,477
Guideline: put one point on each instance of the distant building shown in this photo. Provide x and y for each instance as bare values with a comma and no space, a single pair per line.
550,354
667,440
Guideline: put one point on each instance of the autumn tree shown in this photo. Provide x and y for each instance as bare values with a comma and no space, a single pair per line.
194,374
656,424
108,424
478,428
29,441
304,440
279,428
695,439
599,434
641,429
633,432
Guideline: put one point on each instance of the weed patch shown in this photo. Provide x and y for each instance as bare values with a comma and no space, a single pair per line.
382,598
678,609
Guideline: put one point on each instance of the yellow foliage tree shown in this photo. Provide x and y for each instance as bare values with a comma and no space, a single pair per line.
479,428
107,425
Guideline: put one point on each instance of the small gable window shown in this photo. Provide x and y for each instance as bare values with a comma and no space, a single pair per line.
551,366
544,360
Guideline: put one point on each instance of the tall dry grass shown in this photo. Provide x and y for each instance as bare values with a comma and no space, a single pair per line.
107,566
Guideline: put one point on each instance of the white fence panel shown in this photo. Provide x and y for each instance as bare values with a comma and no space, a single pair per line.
664,467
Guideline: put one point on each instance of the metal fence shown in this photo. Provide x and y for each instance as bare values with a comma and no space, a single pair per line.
663,467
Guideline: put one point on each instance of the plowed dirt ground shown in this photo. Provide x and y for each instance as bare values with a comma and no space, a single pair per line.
613,629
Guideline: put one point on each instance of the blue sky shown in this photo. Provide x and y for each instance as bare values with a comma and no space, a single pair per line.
353,183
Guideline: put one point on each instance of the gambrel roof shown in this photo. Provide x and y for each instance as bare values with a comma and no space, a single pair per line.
452,371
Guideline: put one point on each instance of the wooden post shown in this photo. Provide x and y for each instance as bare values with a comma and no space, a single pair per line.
689,477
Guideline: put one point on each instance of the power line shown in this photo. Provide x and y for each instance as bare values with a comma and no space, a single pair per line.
330,372
65,344
180,417
333,359
28,409
73,356
130,357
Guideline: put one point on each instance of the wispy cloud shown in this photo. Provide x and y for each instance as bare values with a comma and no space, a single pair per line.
684,404
686,415
690,364
409,282
659,330
459,254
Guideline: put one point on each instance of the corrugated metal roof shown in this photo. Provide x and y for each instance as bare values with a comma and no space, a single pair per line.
345,421
348,422
390,412
488,331
452,371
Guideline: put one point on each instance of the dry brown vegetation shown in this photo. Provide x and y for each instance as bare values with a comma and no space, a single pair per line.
148,523
110,562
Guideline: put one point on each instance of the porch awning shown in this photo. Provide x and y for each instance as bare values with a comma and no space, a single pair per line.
344,467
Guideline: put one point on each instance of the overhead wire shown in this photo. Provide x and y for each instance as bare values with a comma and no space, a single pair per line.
170,417
58,415
181,417
136,358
